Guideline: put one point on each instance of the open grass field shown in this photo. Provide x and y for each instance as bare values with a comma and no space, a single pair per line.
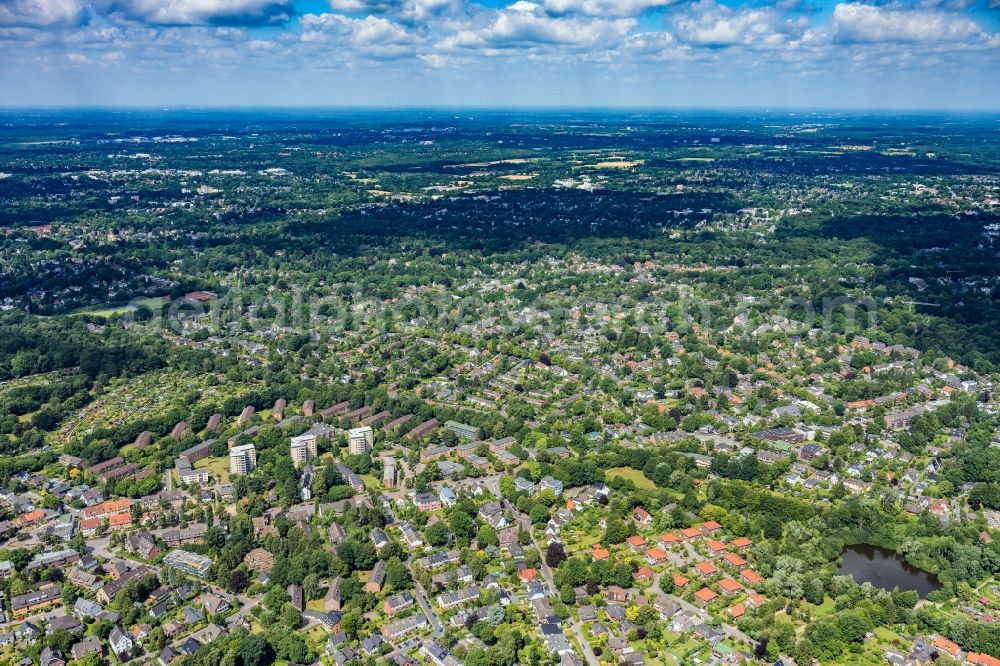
154,303
635,476
217,467
617,164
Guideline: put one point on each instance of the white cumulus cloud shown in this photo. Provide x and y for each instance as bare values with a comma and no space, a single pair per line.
526,24
409,10
40,13
862,23
607,8
708,23
200,12
368,37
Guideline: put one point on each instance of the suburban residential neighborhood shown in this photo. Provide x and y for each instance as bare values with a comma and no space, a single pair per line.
513,389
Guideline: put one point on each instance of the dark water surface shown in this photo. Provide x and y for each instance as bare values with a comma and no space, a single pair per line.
885,569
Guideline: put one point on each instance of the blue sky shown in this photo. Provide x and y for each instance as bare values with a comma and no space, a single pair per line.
881,54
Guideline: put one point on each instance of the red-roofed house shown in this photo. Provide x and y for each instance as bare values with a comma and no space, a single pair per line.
730,586
120,521
741,543
734,560
636,542
680,581
30,518
945,645
691,532
656,556
107,509
642,516
705,596
716,547
89,526
668,539
737,611
751,576
706,568
644,574
710,526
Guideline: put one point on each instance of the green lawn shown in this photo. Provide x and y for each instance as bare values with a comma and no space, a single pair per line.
316,636
585,541
633,475
822,610
217,467
885,634
153,304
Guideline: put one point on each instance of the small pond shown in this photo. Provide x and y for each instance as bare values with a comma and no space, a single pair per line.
885,569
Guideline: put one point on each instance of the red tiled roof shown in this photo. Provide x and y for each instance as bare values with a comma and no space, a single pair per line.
734,559
656,554
950,647
730,585
706,568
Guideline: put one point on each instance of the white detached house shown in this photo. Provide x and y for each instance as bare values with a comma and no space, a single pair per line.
120,643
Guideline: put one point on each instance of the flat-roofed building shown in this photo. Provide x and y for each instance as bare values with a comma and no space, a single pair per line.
303,449
188,562
360,440
463,430
188,474
242,459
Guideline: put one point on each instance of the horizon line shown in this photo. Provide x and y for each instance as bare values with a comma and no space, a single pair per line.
5,108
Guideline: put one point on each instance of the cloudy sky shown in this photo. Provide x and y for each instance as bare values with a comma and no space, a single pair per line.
929,54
